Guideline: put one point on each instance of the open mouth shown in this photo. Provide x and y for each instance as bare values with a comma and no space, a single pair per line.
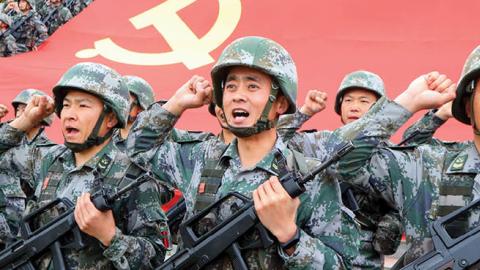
71,131
239,114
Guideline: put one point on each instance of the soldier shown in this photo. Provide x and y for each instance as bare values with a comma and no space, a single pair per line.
254,78
424,182
32,31
54,14
8,46
10,7
3,111
79,5
91,100
381,227
16,166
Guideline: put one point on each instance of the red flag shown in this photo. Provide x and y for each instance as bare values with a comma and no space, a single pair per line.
167,41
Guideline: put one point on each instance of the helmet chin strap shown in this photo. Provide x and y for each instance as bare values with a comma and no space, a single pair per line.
262,124
93,139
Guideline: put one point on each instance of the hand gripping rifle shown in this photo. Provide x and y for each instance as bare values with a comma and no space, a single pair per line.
60,233
454,247
201,249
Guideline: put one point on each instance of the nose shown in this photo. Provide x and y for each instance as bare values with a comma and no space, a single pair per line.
68,113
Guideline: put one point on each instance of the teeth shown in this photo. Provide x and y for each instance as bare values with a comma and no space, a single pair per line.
240,113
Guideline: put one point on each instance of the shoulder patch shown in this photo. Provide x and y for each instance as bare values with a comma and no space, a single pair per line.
459,162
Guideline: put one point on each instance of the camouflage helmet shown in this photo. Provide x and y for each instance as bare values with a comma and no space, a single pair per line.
359,79
465,87
141,89
24,97
5,19
262,54
98,80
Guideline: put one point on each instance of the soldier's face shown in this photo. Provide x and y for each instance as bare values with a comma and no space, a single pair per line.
79,115
355,103
23,5
19,110
135,108
245,94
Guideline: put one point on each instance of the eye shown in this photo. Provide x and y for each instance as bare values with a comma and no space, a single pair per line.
253,86
230,86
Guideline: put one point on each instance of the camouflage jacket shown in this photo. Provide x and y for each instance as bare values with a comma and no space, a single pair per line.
79,5
381,228
321,218
424,182
142,233
17,162
32,32
55,16
8,45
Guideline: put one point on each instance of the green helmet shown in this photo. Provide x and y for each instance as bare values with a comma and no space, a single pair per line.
5,19
466,85
265,55
359,79
25,96
141,89
98,80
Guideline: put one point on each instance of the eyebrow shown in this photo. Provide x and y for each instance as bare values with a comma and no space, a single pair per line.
78,100
247,77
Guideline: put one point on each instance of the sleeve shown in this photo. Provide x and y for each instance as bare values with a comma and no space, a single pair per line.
149,146
288,124
422,131
42,31
144,237
329,238
9,137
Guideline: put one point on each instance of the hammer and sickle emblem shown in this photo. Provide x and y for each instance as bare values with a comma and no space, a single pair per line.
187,48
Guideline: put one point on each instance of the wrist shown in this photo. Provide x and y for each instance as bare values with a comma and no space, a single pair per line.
405,101
107,238
287,233
21,123
306,111
174,107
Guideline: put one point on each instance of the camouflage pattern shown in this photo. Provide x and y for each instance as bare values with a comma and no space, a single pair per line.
99,80
8,44
422,131
24,97
140,89
33,31
373,213
321,218
6,19
141,224
56,16
470,72
79,5
17,161
359,79
262,54
423,182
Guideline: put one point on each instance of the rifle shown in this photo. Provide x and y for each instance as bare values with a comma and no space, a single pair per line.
175,215
13,29
200,249
454,247
60,233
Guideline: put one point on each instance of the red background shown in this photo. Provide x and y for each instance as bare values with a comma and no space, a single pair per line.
399,40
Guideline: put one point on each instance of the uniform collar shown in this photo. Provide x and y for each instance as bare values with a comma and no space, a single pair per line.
467,161
267,163
102,161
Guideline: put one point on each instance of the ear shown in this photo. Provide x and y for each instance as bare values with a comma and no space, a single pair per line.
111,120
281,104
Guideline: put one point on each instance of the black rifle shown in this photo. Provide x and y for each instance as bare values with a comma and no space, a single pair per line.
453,248
15,26
60,233
201,249
175,215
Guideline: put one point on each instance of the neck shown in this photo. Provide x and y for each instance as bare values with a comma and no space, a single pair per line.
227,136
82,157
124,131
32,133
254,148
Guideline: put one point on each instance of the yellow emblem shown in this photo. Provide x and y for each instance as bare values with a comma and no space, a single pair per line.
187,48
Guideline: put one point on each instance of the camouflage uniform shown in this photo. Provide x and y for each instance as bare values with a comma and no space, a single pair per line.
141,235
381,226
60,15
328,237
18,161
425,182
8,45
79,5
33,31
